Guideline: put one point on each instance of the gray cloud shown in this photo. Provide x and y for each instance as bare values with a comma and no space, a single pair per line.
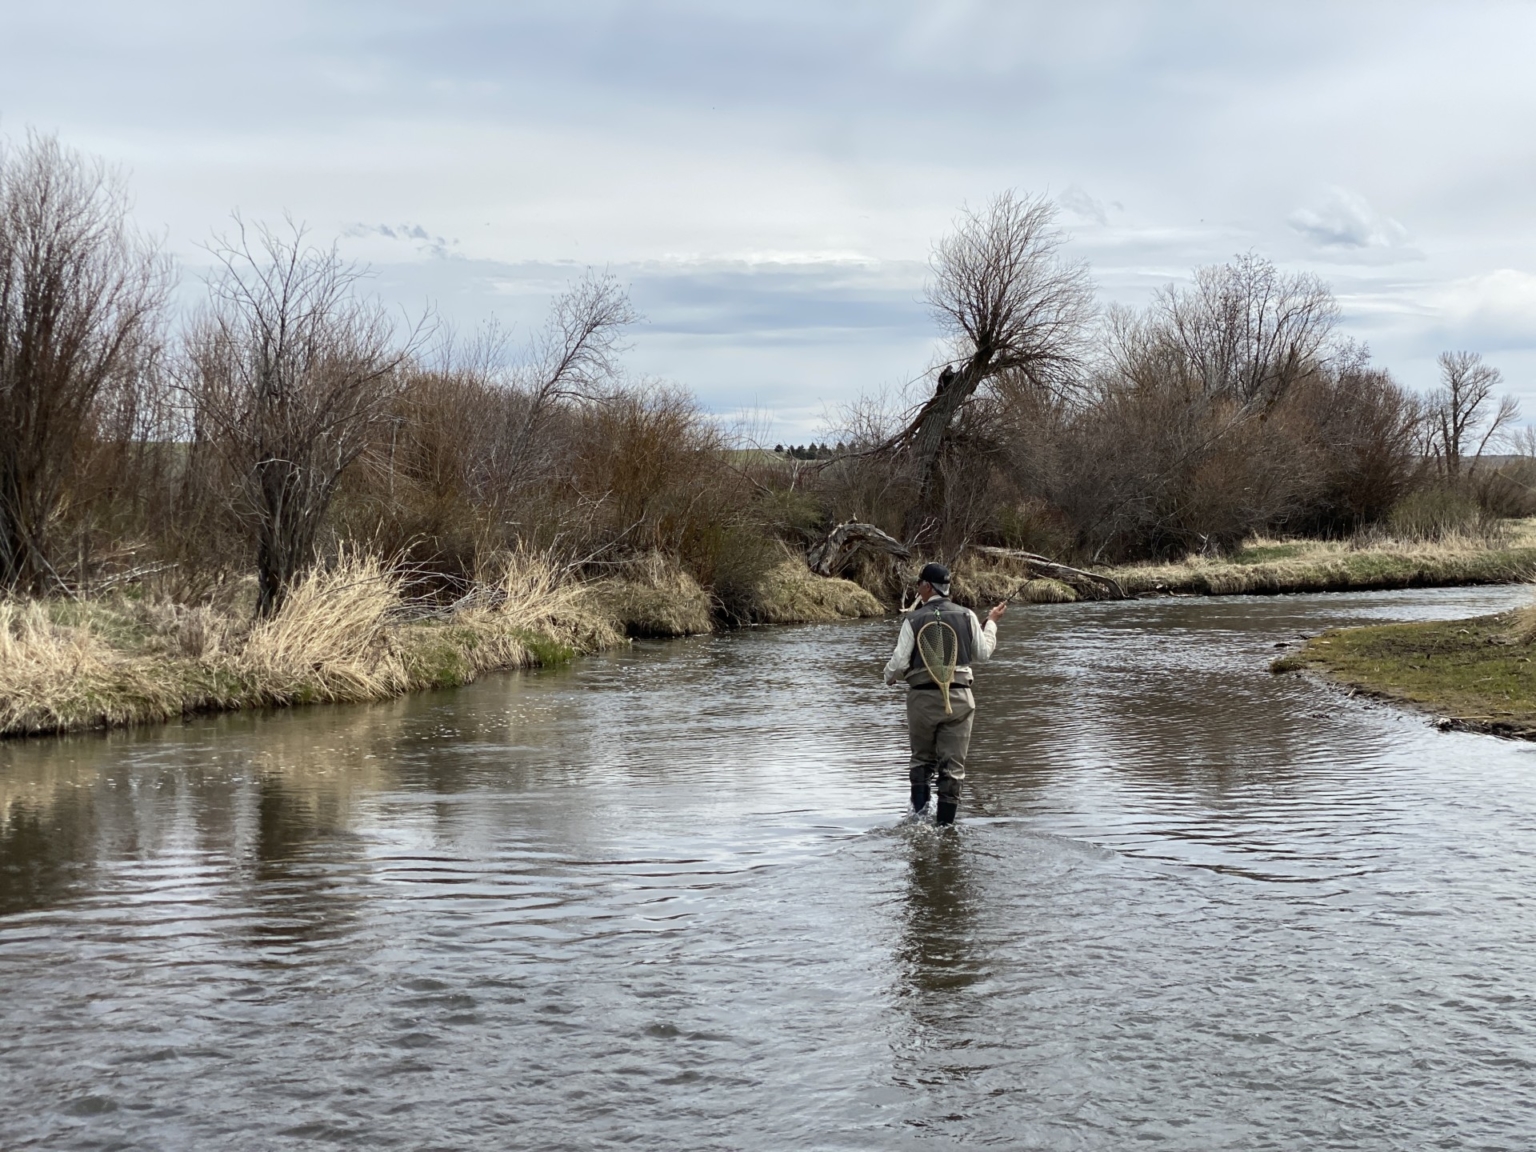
1077,204
412,234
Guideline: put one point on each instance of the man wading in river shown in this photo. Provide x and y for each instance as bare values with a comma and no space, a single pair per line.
938,641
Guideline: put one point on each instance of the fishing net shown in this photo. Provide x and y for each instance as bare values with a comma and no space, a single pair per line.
939,649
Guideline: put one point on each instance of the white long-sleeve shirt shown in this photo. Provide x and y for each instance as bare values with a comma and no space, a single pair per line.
983,643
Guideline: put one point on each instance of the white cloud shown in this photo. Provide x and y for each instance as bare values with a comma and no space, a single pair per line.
1345,219
1495,310
772,175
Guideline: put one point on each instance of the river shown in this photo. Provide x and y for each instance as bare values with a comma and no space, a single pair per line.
662,900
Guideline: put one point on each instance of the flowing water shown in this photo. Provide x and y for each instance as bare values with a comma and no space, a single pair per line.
662,900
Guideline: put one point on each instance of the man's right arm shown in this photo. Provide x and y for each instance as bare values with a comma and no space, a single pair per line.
901,659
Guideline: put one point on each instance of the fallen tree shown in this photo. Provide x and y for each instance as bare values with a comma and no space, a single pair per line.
1099,586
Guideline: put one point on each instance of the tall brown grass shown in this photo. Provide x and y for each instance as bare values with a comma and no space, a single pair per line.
791,594
1370,561
345,633
52,676
654,595
331,640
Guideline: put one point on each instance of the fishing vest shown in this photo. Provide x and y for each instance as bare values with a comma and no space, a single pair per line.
944,609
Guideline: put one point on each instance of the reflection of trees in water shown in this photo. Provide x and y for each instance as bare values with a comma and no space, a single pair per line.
45,853
269,807
303,871
249,800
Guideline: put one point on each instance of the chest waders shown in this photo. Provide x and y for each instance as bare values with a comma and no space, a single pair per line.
941,644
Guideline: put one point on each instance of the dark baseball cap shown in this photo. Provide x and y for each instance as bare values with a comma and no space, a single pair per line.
933,574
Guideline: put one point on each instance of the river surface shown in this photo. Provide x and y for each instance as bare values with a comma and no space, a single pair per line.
663,900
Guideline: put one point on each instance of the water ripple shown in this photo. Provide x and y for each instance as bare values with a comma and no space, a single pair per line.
662,900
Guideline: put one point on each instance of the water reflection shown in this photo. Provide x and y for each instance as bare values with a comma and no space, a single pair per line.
937,949
661,900
45,851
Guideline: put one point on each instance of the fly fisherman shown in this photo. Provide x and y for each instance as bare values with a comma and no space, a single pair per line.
938,641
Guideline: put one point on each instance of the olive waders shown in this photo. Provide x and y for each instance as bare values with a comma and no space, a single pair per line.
939,739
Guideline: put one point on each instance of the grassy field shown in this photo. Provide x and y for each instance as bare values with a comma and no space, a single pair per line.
1273,566
1475,674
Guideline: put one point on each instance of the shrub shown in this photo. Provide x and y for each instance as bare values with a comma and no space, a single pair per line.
1439,512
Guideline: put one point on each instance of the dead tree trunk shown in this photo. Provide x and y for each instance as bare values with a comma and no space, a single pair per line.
833,555
928,431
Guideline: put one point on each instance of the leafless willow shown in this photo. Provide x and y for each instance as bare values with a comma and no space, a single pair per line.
1246,330
287,371
1015,313
1459,411
574,358
80,300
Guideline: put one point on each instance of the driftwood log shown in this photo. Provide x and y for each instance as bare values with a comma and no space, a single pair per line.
1063,572
833,555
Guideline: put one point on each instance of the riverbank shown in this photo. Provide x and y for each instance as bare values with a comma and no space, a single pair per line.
1263,567
1472,674
347,635
1269,567
353,633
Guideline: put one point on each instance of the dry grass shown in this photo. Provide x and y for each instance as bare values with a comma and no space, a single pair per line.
654,596
53,674
534,595
793,594
1265,566
330,641
1523,625
1048,592
347,633
980,585
343,634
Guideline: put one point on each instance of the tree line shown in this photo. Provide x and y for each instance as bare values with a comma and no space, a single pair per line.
290,417
1229,407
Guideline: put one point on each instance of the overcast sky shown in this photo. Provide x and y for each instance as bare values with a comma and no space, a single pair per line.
770,178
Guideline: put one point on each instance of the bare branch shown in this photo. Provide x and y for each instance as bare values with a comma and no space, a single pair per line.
80,302
287,371
1458,408
1016,316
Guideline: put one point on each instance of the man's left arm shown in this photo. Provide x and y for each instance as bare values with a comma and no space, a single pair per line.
984,636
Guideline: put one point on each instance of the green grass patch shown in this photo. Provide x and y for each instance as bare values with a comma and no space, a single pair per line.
1473,672
546,651
1263,553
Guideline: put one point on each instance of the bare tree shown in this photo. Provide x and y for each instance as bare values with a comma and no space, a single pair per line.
1459,409
1246,331
1015,314
80,297
575,357
287,371
1523,442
